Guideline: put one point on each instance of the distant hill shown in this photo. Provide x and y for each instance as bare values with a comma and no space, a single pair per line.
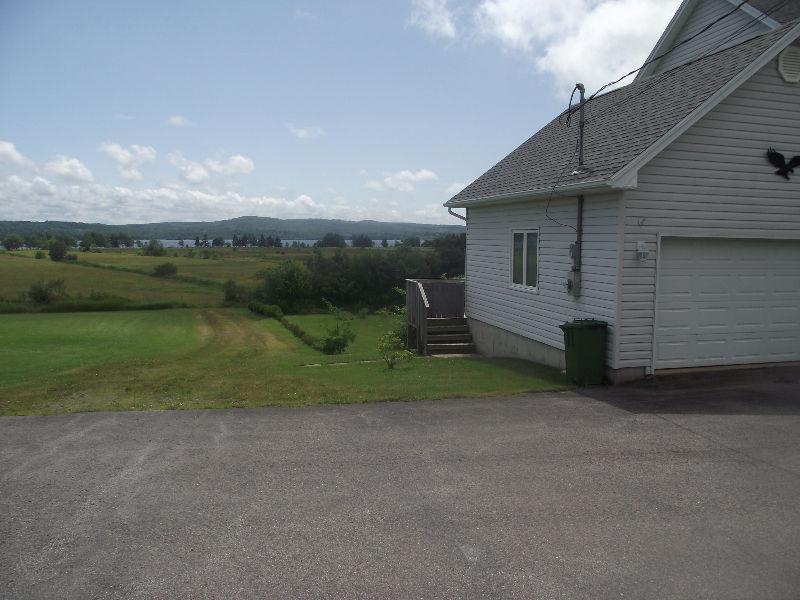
288,229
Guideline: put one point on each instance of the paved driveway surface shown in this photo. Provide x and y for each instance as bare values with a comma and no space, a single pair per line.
675,491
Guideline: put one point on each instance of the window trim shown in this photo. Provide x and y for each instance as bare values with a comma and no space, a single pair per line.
522,286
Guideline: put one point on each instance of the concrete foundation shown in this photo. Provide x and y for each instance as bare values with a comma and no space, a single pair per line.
494,341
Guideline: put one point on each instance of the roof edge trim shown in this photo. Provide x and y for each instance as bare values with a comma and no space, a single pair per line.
598,185
624,174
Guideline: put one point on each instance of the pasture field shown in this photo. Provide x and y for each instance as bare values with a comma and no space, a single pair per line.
240,264
219,358
19,270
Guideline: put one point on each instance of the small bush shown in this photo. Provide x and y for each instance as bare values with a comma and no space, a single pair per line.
39,254
234,293
166,269
58,250
268,310
71,257
153,248
362,313
391,350
47,292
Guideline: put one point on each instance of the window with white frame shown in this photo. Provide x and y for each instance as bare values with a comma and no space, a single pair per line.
525,258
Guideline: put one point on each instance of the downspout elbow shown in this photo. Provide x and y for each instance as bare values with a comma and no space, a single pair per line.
455,214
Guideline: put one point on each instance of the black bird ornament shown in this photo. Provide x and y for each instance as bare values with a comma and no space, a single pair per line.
779,162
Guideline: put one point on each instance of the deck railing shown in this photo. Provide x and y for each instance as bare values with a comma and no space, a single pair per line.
430,298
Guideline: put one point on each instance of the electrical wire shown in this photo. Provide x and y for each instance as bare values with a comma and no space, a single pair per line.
660,56
669,74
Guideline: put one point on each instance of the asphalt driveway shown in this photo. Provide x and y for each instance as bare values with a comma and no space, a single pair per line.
689,489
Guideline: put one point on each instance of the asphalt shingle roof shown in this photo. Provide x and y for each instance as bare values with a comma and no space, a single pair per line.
620,125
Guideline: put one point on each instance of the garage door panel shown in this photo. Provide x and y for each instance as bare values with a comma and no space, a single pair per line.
727,302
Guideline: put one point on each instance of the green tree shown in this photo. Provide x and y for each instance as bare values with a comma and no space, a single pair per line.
331,240
153,248
410,242
58,250
385,243
218,242
288,285
13,241
362,241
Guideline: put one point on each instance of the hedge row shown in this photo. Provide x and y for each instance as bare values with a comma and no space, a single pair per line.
7,307
274,312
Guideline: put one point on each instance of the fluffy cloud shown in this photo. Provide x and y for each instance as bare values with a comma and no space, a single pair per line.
305,133
38,200
433,17
178,121
193,172
401,181
234,165
591,41
68,168
9,154
130,159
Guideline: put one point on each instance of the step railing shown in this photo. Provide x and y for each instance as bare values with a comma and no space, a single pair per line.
430,298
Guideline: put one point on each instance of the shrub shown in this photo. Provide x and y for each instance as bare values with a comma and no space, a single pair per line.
153,248
234,293
288,285
58,250
47,292
166,269
338,336
362,313
268,310
71,257
391,350
39,254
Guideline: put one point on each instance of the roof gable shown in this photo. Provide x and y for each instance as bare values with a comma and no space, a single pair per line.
623,126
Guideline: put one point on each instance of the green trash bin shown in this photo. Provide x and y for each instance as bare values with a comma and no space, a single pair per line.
585,348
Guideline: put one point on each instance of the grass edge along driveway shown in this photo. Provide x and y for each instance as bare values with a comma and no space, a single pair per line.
220,358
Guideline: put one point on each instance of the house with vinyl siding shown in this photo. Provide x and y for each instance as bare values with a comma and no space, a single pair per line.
676,229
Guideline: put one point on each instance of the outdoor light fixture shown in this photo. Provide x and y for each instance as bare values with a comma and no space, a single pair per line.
641,251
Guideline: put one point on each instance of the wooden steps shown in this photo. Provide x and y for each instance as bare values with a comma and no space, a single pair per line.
449,336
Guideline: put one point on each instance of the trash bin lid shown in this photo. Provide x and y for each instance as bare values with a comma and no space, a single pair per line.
584,324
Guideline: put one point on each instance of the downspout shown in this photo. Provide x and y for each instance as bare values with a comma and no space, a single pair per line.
574,282
455,214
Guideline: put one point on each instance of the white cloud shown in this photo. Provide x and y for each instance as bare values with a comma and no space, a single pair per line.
68,168
401,181
433,17
307,132
39,200
191,171
452,189
234,165
591,41
130,159
179,121
10,154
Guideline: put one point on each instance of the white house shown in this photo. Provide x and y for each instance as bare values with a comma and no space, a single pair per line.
686,240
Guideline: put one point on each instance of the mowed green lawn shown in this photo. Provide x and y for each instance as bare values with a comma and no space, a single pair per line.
215,358
18,272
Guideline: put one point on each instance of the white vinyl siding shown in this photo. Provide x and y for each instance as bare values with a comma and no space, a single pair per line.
491,296
713,181
732,30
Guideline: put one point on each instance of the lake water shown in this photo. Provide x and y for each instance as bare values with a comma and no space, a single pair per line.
286,243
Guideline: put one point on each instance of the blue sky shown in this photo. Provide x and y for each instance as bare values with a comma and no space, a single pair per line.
148,111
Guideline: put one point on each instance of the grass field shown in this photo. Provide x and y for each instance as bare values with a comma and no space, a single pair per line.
18,271
214,358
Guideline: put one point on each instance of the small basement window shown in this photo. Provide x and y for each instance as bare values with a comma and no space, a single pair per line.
525,259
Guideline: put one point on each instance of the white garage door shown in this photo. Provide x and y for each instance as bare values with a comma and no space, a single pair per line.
727,302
